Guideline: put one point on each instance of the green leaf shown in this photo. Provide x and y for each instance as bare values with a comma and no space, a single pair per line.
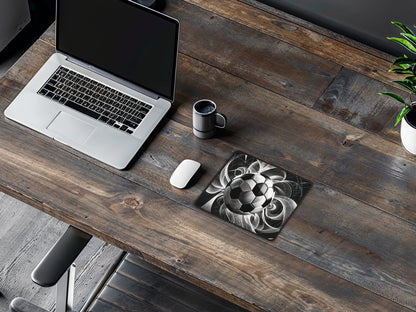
394,96
410,37
401,71
403,27
405,43
403,113
409,86
411,79
404,60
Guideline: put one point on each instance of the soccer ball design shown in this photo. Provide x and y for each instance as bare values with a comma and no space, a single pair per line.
248,193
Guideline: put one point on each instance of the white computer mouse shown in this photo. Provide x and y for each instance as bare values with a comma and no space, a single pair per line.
184,173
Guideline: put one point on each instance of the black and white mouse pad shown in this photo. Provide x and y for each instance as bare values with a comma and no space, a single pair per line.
254,195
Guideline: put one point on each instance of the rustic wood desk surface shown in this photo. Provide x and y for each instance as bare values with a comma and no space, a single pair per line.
295,96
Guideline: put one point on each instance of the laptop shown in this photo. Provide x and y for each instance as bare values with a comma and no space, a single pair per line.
110,82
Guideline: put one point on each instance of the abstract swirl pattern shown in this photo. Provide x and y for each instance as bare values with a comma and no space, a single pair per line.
254,195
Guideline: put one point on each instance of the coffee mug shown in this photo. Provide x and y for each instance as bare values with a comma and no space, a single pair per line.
206,119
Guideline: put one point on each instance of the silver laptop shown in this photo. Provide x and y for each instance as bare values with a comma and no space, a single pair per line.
110,82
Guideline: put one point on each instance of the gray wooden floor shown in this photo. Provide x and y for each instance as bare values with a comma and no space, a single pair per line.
26,234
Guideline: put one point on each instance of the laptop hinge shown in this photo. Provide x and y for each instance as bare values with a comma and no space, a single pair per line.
111,77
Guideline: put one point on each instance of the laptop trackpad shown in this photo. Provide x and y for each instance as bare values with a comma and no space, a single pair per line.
70,129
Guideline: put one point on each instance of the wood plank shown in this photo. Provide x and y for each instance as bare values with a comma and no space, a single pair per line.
27,234
318,29
155,164
301,37
240,47
180,142
353,98
331,151
93,263
30,63
358,249
330,236
23,243
287,70
150,297
125,302
295,88
282,67
173,237
248,53
169,286
342,237
101,306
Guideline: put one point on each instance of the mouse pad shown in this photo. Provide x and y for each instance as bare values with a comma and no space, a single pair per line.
254,195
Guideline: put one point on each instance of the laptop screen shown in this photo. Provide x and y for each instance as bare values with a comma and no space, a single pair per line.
122,38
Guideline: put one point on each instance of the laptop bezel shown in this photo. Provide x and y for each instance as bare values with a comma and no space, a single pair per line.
116,78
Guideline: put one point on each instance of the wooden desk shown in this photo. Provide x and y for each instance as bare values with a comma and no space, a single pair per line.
295,96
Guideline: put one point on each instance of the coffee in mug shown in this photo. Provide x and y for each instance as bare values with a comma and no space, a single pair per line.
205,119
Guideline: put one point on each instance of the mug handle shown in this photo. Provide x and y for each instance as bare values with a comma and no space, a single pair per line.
220,120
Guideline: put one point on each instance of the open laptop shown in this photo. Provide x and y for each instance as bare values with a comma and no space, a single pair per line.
110,82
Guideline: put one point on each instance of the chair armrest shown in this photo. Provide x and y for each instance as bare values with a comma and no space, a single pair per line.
22,305
60,257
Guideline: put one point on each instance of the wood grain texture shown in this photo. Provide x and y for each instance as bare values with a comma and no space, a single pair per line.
174,237
137,286
138,217
179,290
318,29
26,234
245,52
299,36
282,68
304,141
348,245
287,69
22,245
101,306
357,246
349,98
342,248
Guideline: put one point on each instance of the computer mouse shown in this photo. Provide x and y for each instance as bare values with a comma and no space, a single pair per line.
184,173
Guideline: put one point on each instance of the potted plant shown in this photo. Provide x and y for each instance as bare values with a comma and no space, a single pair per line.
405,65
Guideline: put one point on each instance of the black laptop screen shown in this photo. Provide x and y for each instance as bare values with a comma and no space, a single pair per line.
122,38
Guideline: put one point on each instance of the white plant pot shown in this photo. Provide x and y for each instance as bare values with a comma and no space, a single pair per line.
408,131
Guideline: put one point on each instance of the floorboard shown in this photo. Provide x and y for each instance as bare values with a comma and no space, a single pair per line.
139,286
26,234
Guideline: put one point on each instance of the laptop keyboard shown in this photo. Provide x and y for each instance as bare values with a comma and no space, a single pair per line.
95,99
